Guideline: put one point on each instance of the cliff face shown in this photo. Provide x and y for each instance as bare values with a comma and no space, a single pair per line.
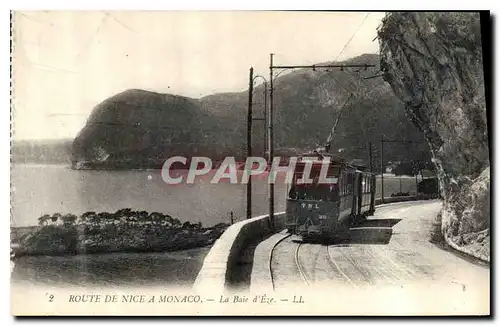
434,64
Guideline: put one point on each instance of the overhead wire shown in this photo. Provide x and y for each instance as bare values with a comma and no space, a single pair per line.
352,37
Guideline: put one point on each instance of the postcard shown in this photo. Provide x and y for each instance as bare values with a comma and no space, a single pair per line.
250,163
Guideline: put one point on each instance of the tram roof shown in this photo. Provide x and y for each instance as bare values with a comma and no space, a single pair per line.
317,157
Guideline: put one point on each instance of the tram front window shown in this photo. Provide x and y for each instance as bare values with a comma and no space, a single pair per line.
314,191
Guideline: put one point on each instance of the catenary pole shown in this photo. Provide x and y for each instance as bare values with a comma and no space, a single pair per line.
249,143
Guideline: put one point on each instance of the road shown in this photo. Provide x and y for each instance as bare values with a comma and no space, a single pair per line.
391,248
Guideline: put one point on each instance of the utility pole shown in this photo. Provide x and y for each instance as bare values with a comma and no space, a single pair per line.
249,143
382,165
271,112
265,114
265,120
250,120
271,142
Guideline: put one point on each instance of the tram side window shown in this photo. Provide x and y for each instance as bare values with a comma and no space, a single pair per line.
341,183
353,180
344,191
349,185
344,183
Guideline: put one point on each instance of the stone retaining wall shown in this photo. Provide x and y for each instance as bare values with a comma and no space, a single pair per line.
217,265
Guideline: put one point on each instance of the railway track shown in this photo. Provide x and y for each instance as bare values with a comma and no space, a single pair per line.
299,265
334,265
298,252
271,261
346,271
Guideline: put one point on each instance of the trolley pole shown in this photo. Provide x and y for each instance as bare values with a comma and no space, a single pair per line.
271,142
249,143
382,165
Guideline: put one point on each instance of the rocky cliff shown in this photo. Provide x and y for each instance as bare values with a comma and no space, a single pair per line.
434,64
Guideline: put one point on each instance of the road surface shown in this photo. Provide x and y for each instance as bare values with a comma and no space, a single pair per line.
389,249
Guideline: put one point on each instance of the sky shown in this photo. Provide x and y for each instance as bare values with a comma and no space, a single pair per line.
65,63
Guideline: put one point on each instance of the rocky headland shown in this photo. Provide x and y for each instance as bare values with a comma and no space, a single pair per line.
122,231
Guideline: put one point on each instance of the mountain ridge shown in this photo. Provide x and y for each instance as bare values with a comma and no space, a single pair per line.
140,129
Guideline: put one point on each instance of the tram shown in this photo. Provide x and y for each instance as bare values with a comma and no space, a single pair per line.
320,210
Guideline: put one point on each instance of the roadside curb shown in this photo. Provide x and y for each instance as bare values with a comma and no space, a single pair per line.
399,199
452,244
262,277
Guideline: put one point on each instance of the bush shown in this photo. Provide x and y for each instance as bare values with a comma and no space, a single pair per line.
44,219
69,219
54,239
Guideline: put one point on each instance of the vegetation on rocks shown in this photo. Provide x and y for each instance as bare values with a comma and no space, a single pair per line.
123,231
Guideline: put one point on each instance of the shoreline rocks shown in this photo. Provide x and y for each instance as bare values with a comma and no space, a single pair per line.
122,231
